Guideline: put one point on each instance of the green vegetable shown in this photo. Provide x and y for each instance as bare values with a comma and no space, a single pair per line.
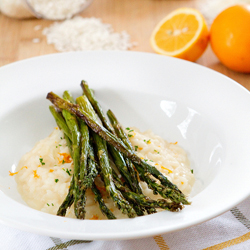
104,164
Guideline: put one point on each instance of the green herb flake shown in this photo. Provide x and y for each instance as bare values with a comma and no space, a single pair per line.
48,204
60,145
56,180
128,128
192,171
63,161
61,138
156,151
41,161
130,135
67,171
136,147
52,204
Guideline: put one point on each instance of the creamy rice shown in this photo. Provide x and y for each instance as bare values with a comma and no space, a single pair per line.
43,174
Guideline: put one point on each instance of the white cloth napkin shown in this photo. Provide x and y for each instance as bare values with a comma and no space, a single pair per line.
230,231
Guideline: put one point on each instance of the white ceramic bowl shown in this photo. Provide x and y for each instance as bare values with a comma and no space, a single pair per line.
206,112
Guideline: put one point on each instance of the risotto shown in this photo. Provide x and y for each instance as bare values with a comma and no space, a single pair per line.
43,174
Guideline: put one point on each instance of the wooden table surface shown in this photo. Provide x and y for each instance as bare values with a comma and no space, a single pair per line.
137,17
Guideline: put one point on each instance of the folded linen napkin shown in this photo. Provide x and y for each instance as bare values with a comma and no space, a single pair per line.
230,231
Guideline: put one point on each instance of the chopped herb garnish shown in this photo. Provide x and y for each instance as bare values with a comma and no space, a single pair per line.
67,171
130,135
128,128
136,147
157,151
63,161
60,145
41,160
56,180
52,204
48,204
192,171
61,138
145,159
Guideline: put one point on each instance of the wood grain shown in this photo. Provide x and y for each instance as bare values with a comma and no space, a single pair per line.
137,17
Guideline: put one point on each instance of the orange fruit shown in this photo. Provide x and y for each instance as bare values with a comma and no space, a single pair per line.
183,34
230,37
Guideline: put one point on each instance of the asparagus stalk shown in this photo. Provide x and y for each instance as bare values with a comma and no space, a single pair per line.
92,169
106,169
76,142
122,135
89,182
60,121
119,130
145,201
112,139
80,198
105,210
120,163
139,209
165,192
69,199
68,96
79,128
97,107
129,176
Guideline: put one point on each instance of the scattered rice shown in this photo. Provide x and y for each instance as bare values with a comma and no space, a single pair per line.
37,27
43,174
36,40
78,34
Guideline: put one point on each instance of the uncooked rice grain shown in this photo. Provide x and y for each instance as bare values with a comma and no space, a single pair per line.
80,34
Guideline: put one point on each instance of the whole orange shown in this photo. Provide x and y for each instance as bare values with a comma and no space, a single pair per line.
230,37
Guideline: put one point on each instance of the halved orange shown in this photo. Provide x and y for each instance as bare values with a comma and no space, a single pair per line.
183,34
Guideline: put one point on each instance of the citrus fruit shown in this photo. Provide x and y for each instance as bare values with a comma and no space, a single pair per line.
183,34
230,37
